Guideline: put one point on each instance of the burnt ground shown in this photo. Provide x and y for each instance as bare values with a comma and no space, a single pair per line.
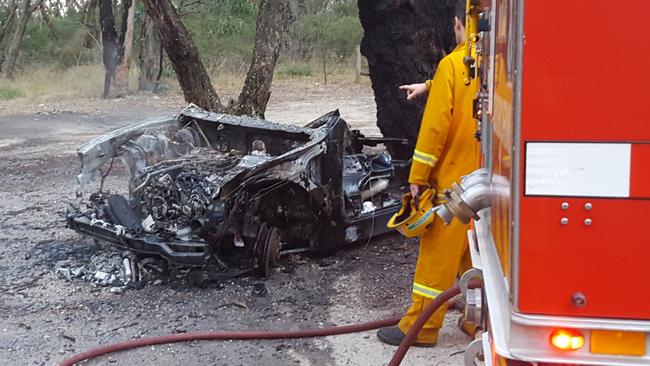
47,317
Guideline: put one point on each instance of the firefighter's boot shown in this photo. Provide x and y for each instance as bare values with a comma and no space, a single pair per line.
394,336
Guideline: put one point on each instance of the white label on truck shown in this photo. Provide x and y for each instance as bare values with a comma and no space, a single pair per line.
578,169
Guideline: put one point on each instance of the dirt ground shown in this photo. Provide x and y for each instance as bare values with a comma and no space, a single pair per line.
46,317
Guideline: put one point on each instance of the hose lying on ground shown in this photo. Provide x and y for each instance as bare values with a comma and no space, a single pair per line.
206,336
277,334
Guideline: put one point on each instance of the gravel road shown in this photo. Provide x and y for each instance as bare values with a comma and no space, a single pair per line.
46,316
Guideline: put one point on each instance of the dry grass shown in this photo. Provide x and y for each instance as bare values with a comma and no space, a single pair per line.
76,82
312,72
87,81
83,81
287,74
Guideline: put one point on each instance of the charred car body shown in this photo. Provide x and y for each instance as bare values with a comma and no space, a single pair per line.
234,190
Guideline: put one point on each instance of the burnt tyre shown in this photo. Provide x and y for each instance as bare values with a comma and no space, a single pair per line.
267,249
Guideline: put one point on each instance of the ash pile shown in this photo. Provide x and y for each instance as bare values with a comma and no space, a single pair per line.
112,269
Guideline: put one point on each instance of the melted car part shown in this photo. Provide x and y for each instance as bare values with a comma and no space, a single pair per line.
182,197
208,189
118,211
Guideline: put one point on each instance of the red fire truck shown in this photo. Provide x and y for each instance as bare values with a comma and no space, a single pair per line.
558,234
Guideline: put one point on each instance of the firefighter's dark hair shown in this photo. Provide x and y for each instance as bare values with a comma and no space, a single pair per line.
460,10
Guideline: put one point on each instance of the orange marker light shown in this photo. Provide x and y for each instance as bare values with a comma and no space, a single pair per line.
567,340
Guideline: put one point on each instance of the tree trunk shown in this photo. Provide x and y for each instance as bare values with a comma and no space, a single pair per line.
403,41
126,7
48,21
323,53
190,71
121,80
26,10
357,65
6,30
109,42
90,22
150,54
9,20
273,18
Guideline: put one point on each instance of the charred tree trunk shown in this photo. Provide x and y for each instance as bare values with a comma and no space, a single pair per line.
403,41
125,49
92,27
126,8
190,71
150,55
273,18
109,43
27,8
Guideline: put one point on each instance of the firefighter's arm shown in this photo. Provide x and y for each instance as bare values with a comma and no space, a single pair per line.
435,124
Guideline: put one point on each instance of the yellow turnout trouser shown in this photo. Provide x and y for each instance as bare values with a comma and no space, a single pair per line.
443,250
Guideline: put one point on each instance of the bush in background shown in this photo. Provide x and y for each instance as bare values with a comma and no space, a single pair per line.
324,32
294,70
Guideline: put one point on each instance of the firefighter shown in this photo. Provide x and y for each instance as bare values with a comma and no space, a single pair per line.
446,149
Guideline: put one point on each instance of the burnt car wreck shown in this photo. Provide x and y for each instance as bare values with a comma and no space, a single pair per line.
233,190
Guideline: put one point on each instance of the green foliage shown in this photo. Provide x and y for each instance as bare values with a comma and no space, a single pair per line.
9,93
222,30
294,70
40,47
336,29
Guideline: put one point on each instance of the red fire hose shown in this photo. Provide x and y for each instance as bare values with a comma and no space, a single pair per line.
278,334
206,336
427,312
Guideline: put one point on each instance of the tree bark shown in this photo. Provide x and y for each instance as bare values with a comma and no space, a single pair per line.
403,41
126,7
48,21
109,43
92,27
27,8
273,19
9,19
177,42
150,54
121,80
6,30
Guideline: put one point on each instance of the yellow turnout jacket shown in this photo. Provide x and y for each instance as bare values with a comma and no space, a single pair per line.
446,148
